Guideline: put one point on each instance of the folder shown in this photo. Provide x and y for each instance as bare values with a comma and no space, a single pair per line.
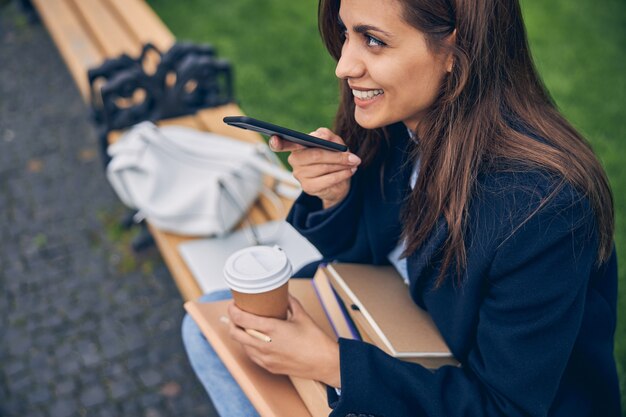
379,302
271,395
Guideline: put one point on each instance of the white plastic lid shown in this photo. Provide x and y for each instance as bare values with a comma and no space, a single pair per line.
257,269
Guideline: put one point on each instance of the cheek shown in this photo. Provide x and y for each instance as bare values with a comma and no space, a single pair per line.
422,82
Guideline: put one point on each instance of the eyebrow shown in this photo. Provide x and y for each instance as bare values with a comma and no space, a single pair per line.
369,28
363,28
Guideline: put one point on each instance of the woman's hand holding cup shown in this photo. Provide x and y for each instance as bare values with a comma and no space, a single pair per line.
321,173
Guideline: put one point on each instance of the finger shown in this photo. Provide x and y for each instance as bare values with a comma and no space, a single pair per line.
309,172
319,184
254,355
312,156
327,134
242,336
278,144
260,359
250,321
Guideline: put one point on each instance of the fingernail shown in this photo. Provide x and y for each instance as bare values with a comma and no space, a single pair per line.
353,170
353,159
272,142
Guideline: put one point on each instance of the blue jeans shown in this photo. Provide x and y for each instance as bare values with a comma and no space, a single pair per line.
228,398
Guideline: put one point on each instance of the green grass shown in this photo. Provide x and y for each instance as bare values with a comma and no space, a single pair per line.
284,75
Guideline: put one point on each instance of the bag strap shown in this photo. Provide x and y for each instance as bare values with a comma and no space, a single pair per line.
268,163
252,231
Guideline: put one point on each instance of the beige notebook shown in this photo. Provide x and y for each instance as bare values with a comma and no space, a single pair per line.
379,303
271,395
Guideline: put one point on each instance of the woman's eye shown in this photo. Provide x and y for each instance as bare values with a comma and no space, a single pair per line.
372,41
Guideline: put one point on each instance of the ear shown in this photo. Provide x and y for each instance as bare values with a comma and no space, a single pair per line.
450,40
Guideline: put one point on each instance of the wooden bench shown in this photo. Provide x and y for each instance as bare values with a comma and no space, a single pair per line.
86,33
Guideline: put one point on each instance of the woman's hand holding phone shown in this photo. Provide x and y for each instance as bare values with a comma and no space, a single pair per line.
321,173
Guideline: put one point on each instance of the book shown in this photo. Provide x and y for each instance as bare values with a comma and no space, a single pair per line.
333,307
380,305
271,395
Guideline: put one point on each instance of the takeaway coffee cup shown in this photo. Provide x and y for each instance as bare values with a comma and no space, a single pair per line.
258,278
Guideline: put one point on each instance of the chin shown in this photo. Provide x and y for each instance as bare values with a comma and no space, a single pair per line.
368,122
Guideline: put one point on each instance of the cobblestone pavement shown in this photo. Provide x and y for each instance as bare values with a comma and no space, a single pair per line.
87,328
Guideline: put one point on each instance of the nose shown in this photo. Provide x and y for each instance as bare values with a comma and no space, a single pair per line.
350,65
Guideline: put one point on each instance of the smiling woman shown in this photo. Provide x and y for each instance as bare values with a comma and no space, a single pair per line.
464,176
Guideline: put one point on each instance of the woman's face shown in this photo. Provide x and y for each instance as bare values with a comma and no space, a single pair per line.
392,73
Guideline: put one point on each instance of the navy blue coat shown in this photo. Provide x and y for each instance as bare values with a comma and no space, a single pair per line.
532,324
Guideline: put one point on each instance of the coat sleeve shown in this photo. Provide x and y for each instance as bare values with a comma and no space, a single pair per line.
337,232
528,323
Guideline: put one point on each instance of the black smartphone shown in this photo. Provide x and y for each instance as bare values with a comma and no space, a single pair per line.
245,122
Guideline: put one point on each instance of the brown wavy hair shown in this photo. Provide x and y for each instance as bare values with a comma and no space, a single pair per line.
493,81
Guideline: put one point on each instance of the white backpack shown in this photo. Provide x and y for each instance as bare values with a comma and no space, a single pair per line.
190,182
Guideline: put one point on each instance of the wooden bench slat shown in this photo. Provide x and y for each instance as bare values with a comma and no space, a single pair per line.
143,23
187,121
257,215
213,119
110,33
183,278
190,121
72,39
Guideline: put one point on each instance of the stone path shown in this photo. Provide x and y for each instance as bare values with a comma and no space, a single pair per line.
87,328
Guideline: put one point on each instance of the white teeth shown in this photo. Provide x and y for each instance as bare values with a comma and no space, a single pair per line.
366,95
